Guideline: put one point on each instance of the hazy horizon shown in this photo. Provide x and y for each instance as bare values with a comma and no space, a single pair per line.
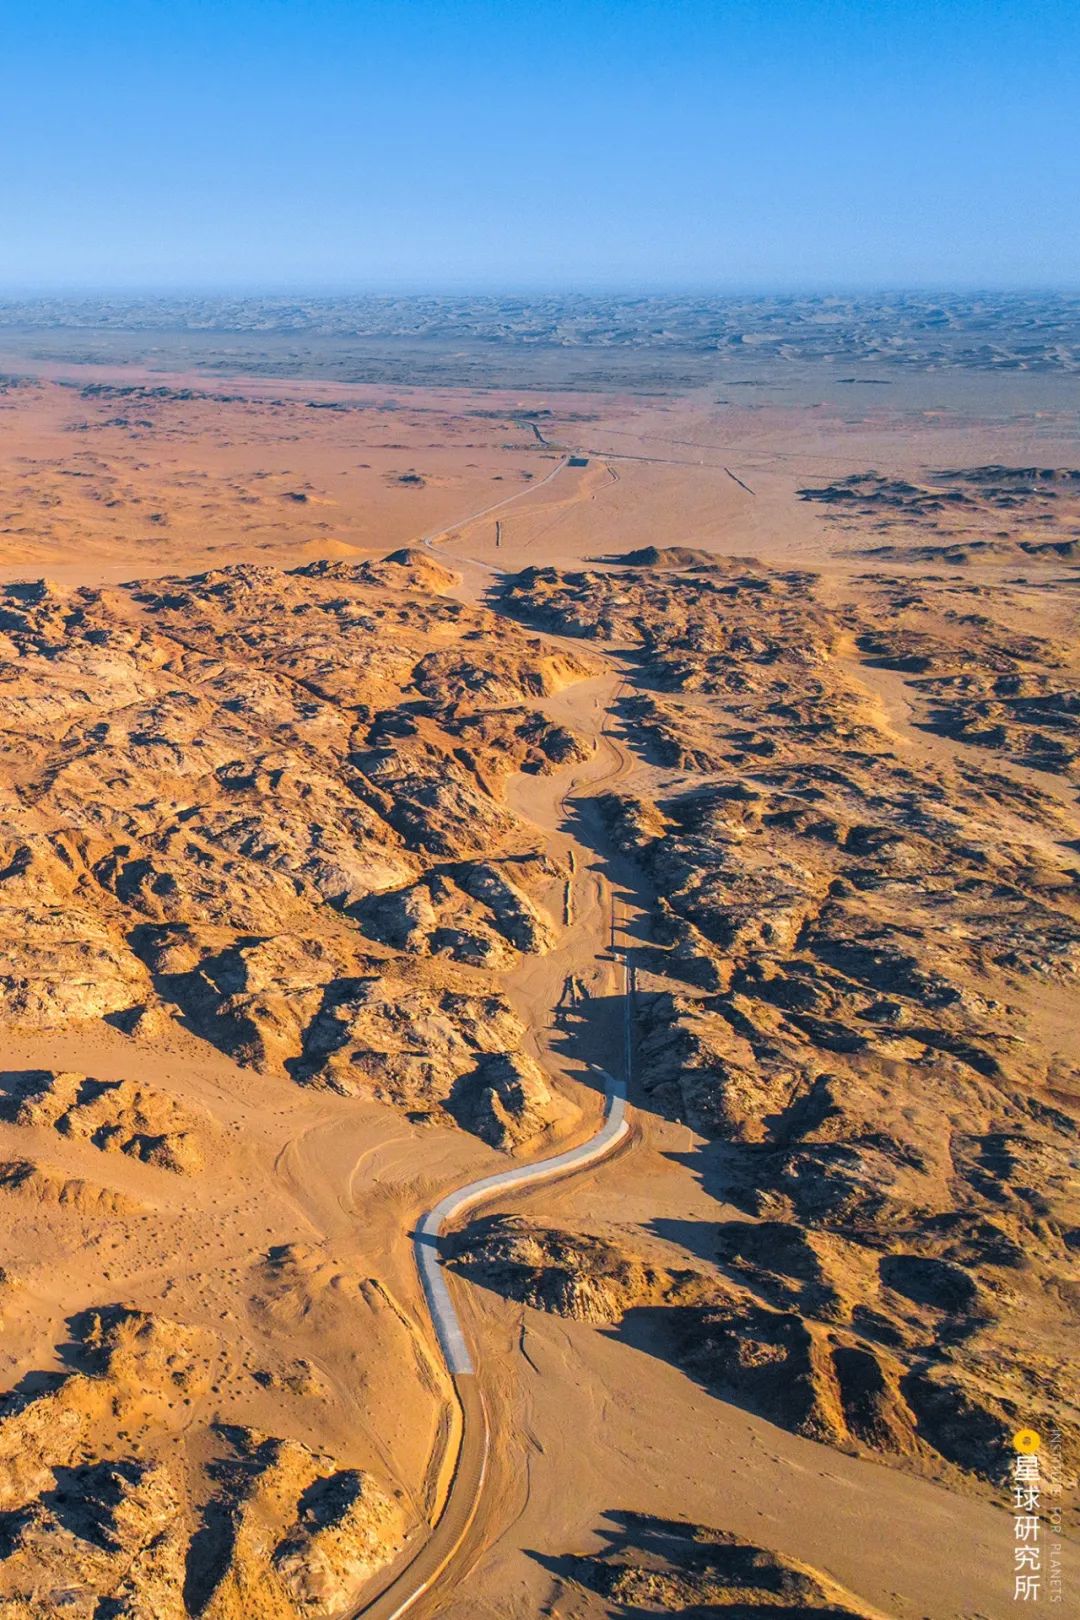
60,292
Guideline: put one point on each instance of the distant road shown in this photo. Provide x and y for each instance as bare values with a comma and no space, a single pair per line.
432,538
466,1486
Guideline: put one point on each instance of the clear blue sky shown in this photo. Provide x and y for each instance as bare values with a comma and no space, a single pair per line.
271,144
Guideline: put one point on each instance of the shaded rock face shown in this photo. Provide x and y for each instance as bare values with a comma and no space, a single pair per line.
432,1053
953,516
266,812
114,1539
245,794
291,1540
59,965
508,1102
345,1528
515,916
714,630
811,1356
476,913
864,948
129,1362
571,1274
651,1565
656,1565
274,1529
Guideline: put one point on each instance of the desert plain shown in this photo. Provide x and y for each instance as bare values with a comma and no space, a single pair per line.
407,720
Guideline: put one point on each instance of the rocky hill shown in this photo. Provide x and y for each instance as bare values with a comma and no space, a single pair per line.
865,938
272,805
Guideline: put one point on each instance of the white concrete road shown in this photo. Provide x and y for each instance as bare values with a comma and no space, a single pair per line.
427,1568
429,1231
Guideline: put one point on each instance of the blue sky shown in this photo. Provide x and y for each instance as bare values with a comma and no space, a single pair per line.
694,144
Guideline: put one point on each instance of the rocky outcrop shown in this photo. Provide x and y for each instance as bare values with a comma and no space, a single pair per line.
117,1116
117,1537
347,1528
508,1101
272,1528
248,777
52,1189
130,1361
288,1539
862,947
475,914
513,913
572,1274
672,1567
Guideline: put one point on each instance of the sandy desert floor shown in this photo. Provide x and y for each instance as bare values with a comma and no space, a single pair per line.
350,727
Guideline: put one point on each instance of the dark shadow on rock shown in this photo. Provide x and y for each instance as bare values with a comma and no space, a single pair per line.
15,1084
725,1170
695,1237
706,1572
936,1283
212,1544
83,1499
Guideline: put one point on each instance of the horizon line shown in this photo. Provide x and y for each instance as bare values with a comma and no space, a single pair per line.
21,293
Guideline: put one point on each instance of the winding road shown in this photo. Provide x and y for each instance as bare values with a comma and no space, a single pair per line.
467,1443
462,1500
444,1316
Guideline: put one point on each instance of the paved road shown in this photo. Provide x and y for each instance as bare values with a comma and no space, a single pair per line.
462,1501
443,1314
470,1433
430,540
